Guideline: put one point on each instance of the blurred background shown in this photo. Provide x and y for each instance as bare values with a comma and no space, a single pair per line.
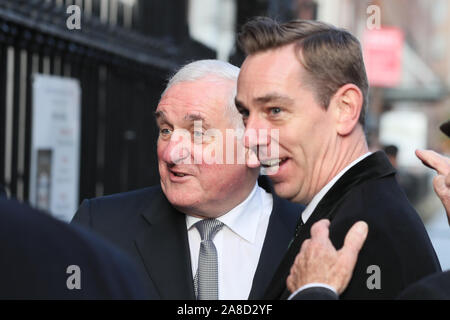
80,80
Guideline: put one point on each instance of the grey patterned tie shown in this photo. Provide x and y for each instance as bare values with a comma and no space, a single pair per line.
206,279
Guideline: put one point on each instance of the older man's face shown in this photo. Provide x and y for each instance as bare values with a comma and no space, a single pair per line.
271,95
192,177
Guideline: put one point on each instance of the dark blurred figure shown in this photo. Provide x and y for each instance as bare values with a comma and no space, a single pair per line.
391,152
436,286
412,185
445,128
2,191
37,252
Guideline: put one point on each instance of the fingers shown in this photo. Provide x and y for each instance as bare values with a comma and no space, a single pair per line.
440,185
292,279
356,237
290,283
348,255
304,246
436,161
353,243
422,157
320,230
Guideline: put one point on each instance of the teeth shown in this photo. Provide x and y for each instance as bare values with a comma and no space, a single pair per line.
271,163
179,174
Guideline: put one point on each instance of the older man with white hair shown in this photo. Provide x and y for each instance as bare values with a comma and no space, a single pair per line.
209,231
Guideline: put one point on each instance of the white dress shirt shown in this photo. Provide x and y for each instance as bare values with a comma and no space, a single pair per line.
312,206
238,243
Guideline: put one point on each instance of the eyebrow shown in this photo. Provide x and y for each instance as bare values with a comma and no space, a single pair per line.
190,117
273,97
160,115
270,97
194,117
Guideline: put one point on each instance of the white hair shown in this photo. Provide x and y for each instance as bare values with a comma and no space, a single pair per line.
214,69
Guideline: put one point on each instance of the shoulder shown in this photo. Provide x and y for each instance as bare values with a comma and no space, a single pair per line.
122,211
380,202
48,246
390,216
129,196
394,228
126,203
435,286
20,223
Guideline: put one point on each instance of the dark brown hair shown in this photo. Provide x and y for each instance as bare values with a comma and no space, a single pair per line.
331,56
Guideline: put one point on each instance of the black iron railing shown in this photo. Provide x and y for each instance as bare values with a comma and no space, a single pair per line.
122,72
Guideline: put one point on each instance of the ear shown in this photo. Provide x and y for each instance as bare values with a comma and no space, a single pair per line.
347,104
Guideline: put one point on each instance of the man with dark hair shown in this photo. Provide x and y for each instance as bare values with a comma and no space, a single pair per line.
304,82
330,57
319,262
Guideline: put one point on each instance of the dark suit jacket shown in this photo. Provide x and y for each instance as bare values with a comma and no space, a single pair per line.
397,241
145,225
434,287
36,251
316,293
2,191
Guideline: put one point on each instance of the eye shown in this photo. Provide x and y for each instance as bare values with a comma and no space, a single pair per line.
274,110
198,134
243,112
164,131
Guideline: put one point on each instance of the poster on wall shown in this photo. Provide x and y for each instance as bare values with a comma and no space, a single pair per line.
383,55
55,146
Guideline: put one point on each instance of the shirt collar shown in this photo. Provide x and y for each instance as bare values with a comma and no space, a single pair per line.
316,199
242,219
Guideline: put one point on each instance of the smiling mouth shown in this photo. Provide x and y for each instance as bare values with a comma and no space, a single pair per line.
272,162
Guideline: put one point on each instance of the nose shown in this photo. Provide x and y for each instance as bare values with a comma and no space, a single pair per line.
256,134
256,140
177,150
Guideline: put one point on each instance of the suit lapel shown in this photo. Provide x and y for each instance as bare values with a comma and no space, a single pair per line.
280,230
164,249
372,167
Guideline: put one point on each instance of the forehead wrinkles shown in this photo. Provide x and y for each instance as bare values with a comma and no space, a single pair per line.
208,98
186,114
175,102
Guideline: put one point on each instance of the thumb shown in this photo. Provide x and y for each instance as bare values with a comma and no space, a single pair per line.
441,188
320,231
